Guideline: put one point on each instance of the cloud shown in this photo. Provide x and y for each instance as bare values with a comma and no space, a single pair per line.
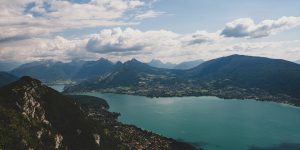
124,44
35,18
132,40
245,27
148,14
200,37
27,28
115,40
57,48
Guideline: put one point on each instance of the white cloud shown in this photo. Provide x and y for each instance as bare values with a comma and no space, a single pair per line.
118,44
57,48
25,36
133,41
21,19
245,27
148,14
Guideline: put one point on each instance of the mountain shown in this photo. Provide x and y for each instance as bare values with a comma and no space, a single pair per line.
7,66
235,76
188,64
298,61
34,116
272,75
182,66
6,78
51,71
158,64
48,71
131,73
90,69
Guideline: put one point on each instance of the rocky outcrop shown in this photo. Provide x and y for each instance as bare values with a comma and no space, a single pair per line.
34,116
41,118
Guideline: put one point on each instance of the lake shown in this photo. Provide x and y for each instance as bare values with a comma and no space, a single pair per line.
210,122
57,87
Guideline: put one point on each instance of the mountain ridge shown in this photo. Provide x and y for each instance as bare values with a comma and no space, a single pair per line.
6,78
34,116
235,76
180,66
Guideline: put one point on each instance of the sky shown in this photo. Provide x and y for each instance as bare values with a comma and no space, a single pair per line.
169,30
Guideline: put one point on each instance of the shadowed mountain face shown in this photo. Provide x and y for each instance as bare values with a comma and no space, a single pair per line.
7,66
91,69
34,116
130,73
273,75
50,71
158,64
6,78
188,64
182,66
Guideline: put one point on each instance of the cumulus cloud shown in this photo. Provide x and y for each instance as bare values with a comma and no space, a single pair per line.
32,18
132,40
115,40
200,37
57,48
246,27
27,27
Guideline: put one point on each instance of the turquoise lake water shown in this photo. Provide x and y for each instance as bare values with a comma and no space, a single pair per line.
57,87
212,123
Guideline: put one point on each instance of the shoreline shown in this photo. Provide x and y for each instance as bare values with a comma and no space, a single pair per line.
166,96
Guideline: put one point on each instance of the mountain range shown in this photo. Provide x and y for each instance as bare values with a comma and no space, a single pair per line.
52,71
6,78
78,70
183,65
7,66
234,76
34,116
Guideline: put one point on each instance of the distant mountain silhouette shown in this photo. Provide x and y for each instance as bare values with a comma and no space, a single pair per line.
188,64
90,69
159,64
6,78
8,66
182,66
50,71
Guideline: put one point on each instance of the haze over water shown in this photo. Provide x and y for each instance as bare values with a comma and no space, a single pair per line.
210,122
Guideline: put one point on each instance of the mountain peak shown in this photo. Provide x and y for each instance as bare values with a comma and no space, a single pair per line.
133,61
103,59
27,85
159,64
29,80
155,61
